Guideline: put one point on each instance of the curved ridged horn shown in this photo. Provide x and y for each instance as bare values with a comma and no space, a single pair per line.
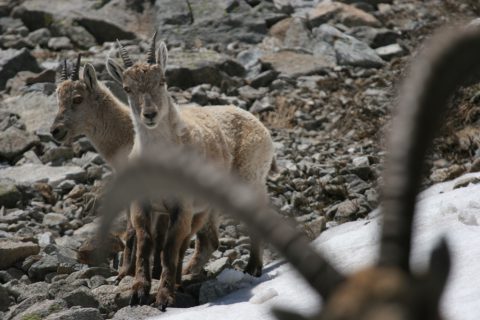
444,67
176,172
76,70
127,62
64,72
151,51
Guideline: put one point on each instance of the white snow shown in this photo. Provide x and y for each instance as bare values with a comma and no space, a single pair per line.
442,211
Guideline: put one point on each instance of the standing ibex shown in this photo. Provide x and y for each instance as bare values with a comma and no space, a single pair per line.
231,137
87,107
388,290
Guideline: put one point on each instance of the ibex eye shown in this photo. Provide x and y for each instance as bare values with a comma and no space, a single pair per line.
77,99
127,89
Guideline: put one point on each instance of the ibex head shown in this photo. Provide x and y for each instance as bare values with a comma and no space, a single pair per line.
74,97
144,83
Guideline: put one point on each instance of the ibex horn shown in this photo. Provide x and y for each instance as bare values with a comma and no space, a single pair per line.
76,70
64,72
151,51
127,62
180,172
444,67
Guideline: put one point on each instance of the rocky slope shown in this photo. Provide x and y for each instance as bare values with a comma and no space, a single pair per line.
322,75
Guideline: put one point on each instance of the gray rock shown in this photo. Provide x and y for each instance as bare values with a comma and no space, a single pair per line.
8,24
390,51
32,173
41,310
217,266
21,306
40,37
47,264
57,155
356,53
136,313
14,41
212,289
76,314
13,251
55,220
79,36
315,227
82,297
13,142
349,51
97,281
297,34
4,299
60,43
294,64
104,30
188,69
14,216
13,61
346,211
361,161
107,23
263,79
9,194
36,109
44,88
38,289
249,58
212,22
345,14
81,146
375,37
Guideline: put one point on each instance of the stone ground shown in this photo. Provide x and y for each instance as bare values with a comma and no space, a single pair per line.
321,75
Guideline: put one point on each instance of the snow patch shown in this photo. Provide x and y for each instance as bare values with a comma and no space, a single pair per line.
442,212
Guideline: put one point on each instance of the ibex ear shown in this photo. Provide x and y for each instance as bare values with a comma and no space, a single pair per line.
162,55
115,70
90,77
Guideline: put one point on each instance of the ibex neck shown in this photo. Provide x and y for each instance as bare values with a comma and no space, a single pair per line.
111,131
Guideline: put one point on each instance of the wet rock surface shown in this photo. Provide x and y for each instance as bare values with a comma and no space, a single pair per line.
321,75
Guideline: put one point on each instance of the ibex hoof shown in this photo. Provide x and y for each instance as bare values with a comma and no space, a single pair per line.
134,300
165,299
139,299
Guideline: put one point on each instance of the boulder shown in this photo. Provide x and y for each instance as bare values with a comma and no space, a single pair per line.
13,61
107,23
36,109
349,51
9,194
76,314
31,173
340,12
187,69
13,251
41,310
295,64
14,142
136,313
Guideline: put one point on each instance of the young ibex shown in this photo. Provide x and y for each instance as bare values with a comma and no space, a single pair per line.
388,290
231,137
87,107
